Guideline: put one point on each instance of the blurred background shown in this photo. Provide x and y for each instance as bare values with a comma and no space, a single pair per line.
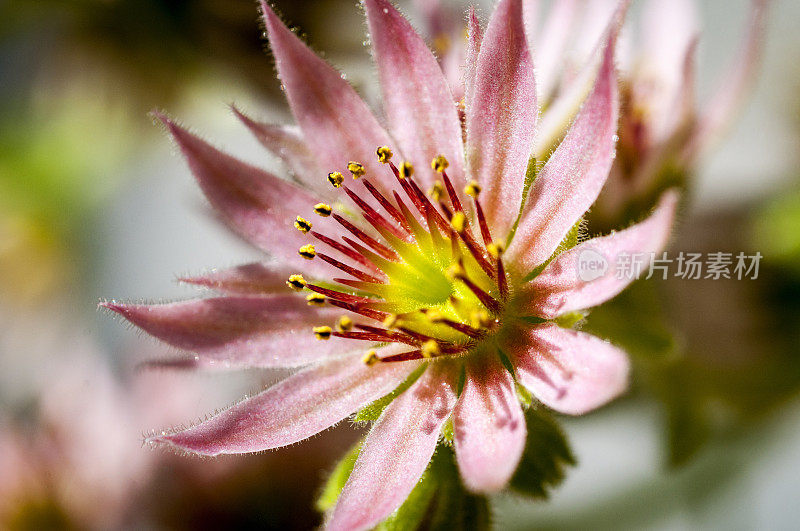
95,203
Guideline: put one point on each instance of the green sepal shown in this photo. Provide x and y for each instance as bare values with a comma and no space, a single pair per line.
569,320
546,455
373,411
338,477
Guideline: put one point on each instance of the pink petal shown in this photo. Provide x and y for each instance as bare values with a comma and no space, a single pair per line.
559,288
733,87
577,84
550,46
669,30
287,142
396,452
501,117
574,175
489,427
298,407
256,278
256,204
335,121
417,99
474,37
569,371
270,331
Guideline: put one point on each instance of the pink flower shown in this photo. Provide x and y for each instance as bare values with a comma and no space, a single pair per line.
663,132
400,283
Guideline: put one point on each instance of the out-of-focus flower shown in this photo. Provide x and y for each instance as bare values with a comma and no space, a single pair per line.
456,299
662,132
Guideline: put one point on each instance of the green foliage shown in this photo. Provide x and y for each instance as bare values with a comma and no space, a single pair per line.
545,457
454,508
373,411
335,482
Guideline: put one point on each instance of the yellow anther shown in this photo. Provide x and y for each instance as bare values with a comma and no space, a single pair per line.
296,282
472,189
370,358
322,332
435,316
458,221
461,105
356,168
437,191
455,272
390,321
307,251
384,154
439,164
323,210
406,170
496,249
345,324
430,349
315,299
480,319
441,43
335,178
301,224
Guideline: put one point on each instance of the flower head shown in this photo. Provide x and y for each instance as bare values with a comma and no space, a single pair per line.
432,255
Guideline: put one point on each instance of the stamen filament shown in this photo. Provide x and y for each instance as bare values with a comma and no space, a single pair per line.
377,246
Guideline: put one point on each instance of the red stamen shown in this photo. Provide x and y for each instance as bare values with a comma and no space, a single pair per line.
366,238
360,310
502,282
347,251
454,200
396,336
373,217
409,190
348,269
386,204
487,236
338,295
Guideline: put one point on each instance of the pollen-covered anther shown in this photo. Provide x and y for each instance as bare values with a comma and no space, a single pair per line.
302,224
384,154
370,358
496,249
406,170
435,316
472,189
323,210
356,169
430,349
307,251
455,272
315,299
480,319
439,164
391,321
296,282
458,222
336,179
322,332
345,324
437,191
